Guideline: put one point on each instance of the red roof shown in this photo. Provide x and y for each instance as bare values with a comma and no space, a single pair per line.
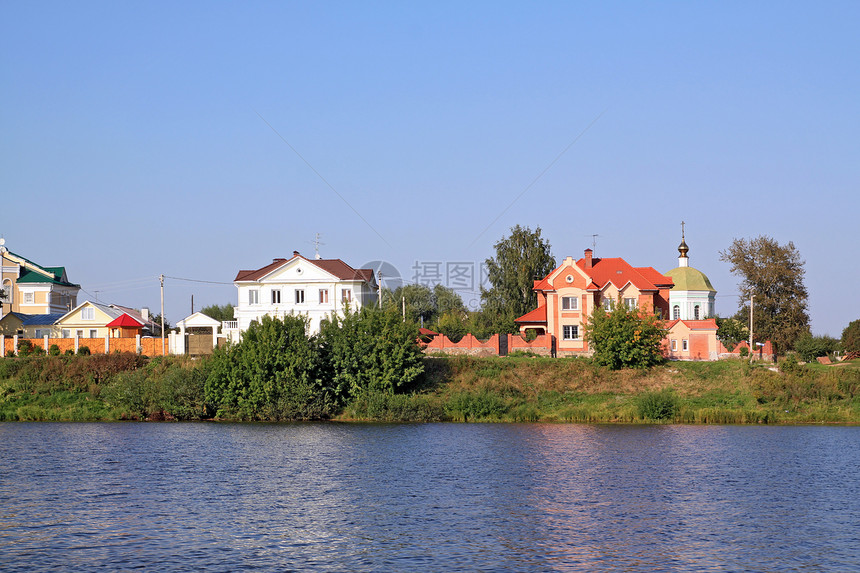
706,324
538,315
427,332
124,321
335,267
619,272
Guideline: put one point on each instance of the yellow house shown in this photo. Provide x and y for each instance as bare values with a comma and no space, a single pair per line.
89,320
32,289
29,325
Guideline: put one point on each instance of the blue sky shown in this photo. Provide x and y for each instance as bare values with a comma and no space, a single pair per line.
195,139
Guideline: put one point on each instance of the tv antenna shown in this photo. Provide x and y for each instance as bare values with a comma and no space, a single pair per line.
594,241
316,243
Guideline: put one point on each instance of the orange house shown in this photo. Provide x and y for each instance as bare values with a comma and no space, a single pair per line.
569,294
691,340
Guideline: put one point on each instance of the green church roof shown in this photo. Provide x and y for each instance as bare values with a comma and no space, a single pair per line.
688,278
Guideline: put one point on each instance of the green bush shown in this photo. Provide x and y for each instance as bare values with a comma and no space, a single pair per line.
54,350
370,351
657,406
84,351
484,405
274,373
625,338
396,408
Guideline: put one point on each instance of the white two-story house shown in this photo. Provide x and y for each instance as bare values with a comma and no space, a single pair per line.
316,288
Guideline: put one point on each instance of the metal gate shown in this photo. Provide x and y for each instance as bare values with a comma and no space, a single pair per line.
198,344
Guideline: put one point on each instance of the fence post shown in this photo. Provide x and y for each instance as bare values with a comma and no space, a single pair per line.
2,346
77,342
15,345
107,344
45,337
137,347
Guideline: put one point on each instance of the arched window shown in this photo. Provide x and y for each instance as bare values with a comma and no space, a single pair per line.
676,312
7,291
696,312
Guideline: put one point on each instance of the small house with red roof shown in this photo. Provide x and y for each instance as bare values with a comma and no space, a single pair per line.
125,326
316,288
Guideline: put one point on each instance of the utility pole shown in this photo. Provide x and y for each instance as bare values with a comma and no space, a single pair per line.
161,278
380,289
403,300
752,296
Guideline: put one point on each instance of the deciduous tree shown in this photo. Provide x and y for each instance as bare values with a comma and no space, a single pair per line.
219,312
521,258
851,337
773,274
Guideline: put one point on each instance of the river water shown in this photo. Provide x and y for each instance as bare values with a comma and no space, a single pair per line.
428,497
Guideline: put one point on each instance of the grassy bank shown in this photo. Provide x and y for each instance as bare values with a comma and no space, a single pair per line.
511,389
529,389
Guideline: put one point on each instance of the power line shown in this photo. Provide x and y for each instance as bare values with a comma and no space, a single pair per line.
198,281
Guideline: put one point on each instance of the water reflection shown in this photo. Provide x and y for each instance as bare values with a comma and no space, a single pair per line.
228,497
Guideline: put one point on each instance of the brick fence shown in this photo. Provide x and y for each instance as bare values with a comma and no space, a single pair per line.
493,346
140,345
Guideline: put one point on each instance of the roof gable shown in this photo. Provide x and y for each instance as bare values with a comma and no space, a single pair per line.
198,319
103,314
304,269
34,273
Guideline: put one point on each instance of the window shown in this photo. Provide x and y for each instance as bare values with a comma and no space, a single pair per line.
67,333
346,295
684,345
300,296
253,296
88,313
696,312
79,334
630,303
674,345
607,304
570,332
29,298
676,313
569,303
7,292
94,333
276,296
40,333
323,295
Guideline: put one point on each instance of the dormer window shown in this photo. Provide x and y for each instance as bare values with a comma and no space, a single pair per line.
88,313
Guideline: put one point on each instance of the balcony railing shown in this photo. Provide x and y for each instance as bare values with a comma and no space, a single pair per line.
229,325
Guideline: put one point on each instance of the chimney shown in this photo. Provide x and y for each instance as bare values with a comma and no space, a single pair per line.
144,314
588,258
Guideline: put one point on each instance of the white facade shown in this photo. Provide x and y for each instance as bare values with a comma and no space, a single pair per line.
693,297
302,286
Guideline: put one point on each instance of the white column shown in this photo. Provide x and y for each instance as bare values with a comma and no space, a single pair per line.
45,344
